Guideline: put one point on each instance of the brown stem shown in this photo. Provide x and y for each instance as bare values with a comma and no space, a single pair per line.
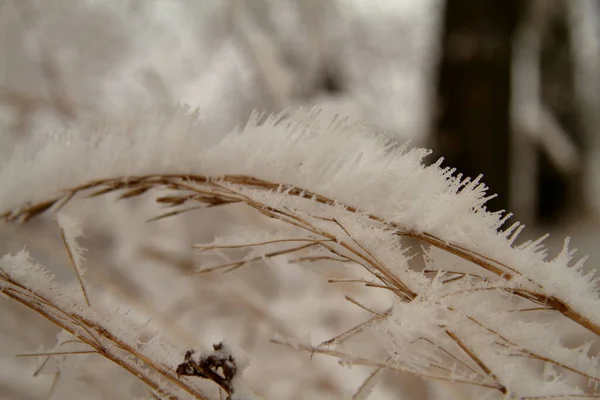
476,358
93,342
178,182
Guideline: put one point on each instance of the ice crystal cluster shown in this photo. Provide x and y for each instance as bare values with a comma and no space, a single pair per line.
468,302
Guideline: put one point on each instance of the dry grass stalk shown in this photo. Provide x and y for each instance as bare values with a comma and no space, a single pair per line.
348,359
99,338
210,193
330,235
74,265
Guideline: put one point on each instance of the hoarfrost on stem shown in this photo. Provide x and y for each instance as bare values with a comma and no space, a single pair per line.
346,194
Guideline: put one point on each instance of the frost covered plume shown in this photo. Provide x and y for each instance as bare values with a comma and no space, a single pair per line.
470,304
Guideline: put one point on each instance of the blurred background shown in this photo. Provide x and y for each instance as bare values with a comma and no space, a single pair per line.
509,89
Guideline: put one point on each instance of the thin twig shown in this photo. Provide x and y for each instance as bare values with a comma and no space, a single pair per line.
237,264
359,304
366,385
57,353
349,359
209,247
74,265
354,330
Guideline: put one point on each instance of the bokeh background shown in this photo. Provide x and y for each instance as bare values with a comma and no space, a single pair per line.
509,89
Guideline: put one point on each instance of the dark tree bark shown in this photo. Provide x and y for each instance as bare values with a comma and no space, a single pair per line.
559,193
473,126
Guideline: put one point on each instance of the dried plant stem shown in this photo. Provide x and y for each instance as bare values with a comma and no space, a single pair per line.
330,234
210,191
235,265
363,389
57,353
353,331
361,305
351,360
534,355
202,248
100,339
473,356
74,265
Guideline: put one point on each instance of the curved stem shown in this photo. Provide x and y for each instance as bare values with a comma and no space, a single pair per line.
187,182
